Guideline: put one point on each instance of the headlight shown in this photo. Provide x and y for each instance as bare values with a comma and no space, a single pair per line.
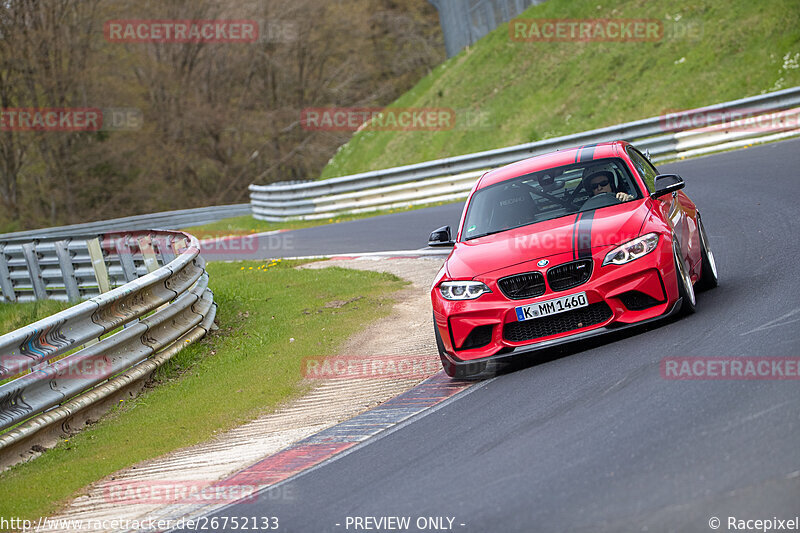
462,290
631,250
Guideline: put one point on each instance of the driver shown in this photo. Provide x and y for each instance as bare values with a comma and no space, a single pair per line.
602,182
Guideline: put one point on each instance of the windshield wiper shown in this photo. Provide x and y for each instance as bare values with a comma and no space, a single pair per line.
489,233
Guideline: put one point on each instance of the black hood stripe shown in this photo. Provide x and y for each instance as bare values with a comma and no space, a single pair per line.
586,153
583,240
575,236
578,154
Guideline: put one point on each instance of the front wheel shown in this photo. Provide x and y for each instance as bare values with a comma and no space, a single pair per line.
685,287
708,275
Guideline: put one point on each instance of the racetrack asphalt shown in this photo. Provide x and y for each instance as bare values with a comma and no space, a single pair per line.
593,438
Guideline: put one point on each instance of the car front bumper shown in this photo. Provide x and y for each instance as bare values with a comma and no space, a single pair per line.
653,275
487,366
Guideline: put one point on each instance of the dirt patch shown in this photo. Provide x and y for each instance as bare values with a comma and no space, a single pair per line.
338,304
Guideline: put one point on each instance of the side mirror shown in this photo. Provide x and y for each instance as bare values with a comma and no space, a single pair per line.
667,183
441,237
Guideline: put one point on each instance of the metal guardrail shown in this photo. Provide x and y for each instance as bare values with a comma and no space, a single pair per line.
162,303
427,183
80,267
172,220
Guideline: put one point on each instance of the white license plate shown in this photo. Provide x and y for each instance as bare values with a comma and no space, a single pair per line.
551,307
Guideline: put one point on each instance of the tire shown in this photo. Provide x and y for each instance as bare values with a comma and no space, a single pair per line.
685,287
709,278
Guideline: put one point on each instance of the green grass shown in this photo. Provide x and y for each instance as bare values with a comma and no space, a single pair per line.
528,91
237,373
14,316
246,224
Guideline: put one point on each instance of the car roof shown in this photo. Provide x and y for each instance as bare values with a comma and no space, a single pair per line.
578,154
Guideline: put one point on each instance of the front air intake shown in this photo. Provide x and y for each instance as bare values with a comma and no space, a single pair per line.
569,275
521,286
584,317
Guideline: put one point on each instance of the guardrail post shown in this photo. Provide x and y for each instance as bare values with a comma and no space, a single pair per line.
6,284
98,264
34,270
148,254
67,270
123,249
179,245
165,249
100,272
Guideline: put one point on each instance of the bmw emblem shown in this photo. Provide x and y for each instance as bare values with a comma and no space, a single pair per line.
543,263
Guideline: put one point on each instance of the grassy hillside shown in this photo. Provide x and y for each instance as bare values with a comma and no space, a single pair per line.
515,92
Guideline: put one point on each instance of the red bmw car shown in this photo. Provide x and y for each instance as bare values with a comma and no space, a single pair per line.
564,246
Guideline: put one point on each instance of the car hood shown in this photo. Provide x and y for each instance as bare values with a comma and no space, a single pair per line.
577,234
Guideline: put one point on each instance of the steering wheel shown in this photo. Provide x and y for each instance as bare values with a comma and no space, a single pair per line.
606,195
600,200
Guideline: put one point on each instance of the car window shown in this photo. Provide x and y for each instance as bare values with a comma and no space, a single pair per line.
645,168
545,195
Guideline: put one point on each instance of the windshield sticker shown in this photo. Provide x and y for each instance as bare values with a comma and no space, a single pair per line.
471,228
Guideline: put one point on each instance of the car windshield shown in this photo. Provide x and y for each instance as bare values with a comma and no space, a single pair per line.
546,195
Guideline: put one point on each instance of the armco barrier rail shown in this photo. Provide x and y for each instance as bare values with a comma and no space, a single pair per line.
76,268
160,304
670,136
183,218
